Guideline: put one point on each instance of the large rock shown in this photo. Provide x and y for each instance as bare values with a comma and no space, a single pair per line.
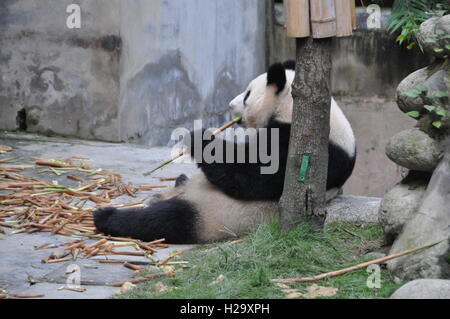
436,82
407,103
443,24
427,31
424,289
430,225
398,206
432,78
349,208
414,150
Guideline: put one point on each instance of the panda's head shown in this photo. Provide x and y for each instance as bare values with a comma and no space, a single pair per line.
267,96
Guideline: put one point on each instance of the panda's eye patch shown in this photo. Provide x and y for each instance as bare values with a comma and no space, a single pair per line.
246,96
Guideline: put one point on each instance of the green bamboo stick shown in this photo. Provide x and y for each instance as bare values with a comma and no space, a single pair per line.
220,129
356,267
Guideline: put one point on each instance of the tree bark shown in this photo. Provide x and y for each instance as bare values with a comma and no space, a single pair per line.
303,197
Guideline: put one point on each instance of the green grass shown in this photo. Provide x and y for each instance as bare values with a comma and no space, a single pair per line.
248,266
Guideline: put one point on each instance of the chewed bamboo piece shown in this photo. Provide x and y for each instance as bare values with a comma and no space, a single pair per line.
356,267
220,129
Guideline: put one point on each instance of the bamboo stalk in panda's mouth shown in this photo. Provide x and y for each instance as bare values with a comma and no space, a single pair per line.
220,129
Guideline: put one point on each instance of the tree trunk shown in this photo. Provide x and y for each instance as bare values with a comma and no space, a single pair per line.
304,190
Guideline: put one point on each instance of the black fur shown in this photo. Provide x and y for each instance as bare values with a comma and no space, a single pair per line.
173,219
340,166
289,65
276,75
245,181
181,180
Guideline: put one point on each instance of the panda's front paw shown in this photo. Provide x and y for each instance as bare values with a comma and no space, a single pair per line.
181,180
103,219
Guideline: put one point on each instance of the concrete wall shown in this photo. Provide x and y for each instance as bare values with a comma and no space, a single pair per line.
369,63
133,72
55,80
374,121
185,60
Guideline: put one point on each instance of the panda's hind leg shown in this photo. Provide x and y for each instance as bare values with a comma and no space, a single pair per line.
174,219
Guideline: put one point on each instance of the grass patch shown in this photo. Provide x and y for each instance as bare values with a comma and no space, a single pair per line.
248,266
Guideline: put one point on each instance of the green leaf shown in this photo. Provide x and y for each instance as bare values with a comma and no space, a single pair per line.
400,38
421,88
438,50
431,40
440,94
413,93
411,45
447,46
441,112
437,124
429,108
414,114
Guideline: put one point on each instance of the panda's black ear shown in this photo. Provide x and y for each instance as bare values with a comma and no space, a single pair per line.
289,65
276,75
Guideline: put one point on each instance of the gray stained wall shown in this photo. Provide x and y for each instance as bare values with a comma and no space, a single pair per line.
185,60
55,80
133,72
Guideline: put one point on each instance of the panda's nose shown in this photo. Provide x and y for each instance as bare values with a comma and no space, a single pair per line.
232,105
234,102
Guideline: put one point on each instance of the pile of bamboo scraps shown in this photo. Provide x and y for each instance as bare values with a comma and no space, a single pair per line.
29,205
32,205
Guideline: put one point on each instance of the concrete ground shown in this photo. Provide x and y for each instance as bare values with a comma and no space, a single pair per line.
21,270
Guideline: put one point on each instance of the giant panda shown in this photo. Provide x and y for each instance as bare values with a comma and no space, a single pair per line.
224,200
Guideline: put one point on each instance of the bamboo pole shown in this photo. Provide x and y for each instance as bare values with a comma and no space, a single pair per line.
353,8
297,18
323,18
344,19
220,129
356,267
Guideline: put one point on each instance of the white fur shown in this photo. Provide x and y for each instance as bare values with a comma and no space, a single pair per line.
341,132
221,216
263,103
